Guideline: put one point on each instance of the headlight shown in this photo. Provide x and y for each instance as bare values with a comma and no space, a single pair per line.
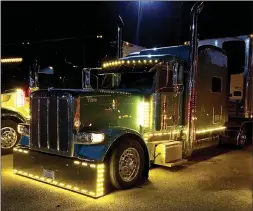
23,129
89,138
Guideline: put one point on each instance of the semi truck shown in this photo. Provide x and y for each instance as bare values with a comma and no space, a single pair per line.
153,107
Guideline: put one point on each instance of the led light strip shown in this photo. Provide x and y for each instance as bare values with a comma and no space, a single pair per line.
177,132
116,63
11,60
21,150
100,176
99,189
100,180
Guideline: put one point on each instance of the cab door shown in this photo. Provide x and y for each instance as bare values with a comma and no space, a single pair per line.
170,91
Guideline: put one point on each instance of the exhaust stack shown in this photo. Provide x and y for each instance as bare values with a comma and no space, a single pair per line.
119,38
193,64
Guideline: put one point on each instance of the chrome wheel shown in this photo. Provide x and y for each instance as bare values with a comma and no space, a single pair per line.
8,137
129,164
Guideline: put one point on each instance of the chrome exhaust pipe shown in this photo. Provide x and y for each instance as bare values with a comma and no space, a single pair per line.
192,68
119,38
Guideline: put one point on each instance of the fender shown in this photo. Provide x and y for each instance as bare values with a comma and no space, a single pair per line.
98,152
9,114
101,152
246,124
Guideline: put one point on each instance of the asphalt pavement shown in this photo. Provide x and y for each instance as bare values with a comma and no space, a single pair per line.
213,179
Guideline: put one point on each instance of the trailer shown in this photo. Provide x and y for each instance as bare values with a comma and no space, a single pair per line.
153,107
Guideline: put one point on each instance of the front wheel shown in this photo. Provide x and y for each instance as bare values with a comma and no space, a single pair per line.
9,136
126,164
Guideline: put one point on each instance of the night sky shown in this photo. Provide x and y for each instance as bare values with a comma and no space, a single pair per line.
160,23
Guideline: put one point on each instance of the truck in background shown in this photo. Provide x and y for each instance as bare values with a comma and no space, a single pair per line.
16,87
148,108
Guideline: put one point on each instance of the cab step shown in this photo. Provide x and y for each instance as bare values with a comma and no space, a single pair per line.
176,163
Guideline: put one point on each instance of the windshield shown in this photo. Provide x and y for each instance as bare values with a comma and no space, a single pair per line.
140,81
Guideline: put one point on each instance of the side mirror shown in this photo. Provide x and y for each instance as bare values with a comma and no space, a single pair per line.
47,70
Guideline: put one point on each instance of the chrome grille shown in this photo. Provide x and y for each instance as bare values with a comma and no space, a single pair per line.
52,123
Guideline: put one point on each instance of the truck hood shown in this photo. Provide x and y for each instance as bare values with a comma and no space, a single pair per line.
100,109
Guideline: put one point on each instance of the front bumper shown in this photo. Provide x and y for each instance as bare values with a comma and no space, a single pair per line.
82,177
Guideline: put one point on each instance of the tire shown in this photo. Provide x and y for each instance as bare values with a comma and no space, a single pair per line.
127,149
242,139
9,136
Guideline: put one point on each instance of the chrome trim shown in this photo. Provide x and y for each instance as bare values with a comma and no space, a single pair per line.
48,103
193,68
57,122
67,143
38,123
248,79
14,115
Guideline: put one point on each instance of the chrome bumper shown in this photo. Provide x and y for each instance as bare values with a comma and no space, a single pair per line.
88,178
